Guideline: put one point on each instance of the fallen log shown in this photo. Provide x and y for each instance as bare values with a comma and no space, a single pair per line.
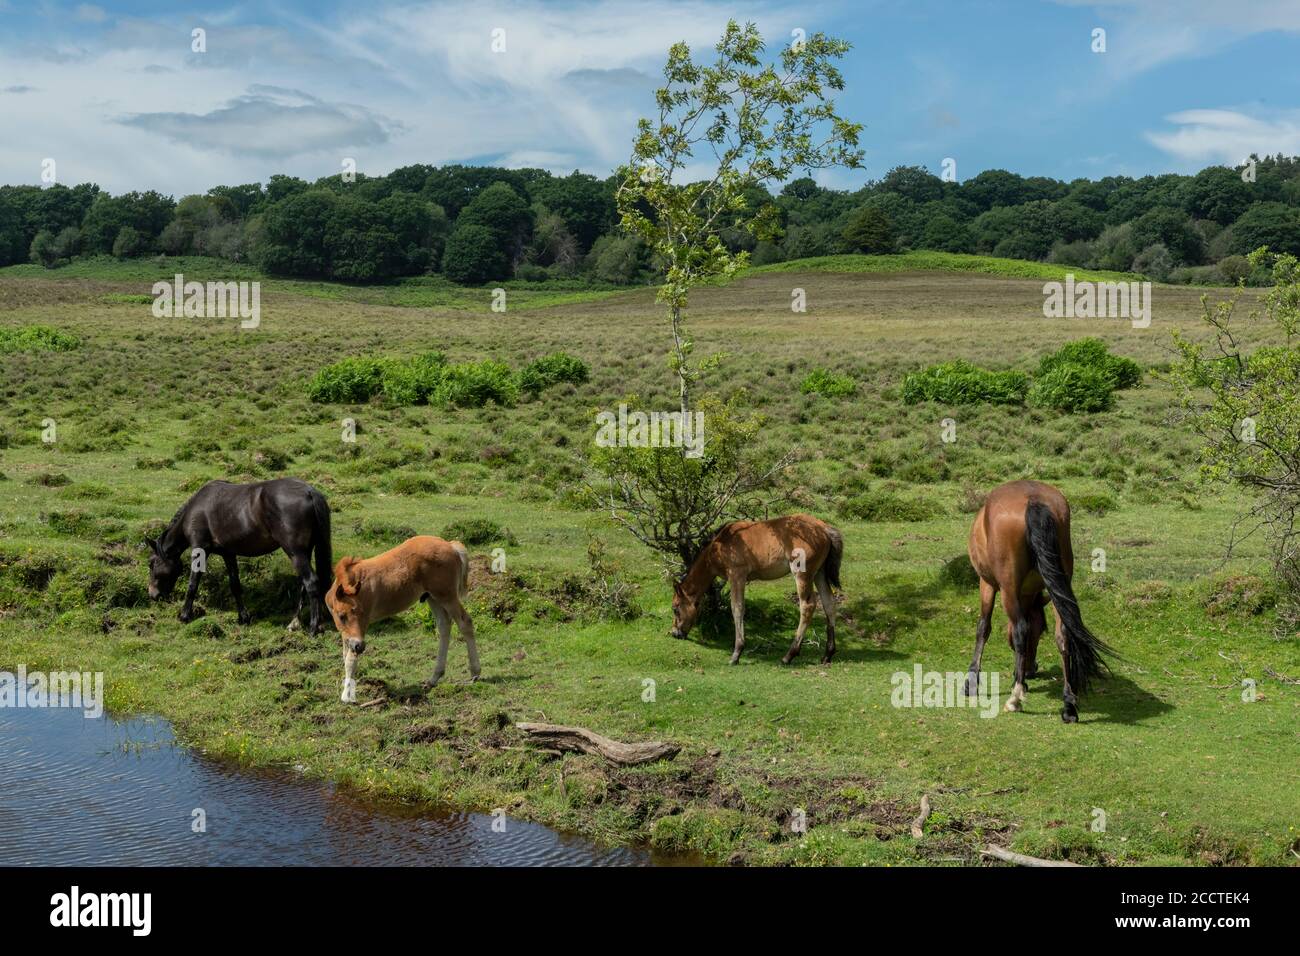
580,739
1020,859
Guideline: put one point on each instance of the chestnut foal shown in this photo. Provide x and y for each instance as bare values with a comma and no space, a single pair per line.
744,551
423,568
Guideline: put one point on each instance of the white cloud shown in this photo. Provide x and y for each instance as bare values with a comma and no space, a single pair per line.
271,122
566,93
1227,136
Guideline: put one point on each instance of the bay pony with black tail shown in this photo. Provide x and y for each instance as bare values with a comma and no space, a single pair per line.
1019,545
745,551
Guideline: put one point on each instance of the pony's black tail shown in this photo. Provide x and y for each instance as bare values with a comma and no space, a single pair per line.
831,566
1083,649
324,552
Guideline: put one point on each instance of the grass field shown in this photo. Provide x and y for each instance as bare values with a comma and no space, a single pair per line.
1184,769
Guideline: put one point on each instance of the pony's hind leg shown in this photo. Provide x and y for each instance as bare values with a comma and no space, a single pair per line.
807,605
1018,625
737,587
1036,615
466,628
444,638
828,606
307,574
1069,708
987,593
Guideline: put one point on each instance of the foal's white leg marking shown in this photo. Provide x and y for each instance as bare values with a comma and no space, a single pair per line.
349,678
295,624
444,638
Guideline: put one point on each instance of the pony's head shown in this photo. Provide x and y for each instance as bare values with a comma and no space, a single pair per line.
164,569
686,610
347,610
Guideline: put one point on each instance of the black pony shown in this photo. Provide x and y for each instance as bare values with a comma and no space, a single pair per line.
249,521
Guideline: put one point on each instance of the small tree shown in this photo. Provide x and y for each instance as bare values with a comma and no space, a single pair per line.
43,250
756,123
869,230
1248,422
759,124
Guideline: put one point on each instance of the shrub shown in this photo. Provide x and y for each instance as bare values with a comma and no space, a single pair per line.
350,380
1073,388
474,384
821,382
552,369
37,338
885,506
413,382
479,531
1093,354
961,383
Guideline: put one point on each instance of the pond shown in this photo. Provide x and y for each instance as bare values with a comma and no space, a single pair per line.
89,792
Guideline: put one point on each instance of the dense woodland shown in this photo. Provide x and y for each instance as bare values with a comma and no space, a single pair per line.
478,224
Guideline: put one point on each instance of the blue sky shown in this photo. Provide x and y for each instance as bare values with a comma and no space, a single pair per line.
114,93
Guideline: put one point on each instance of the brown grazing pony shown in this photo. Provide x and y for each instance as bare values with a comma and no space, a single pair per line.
1019,544
743,551
423,568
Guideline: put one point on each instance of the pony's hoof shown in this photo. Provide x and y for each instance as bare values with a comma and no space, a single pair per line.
245,618
349,695
1012,706
432,682
1070,716
826,660
294,625
972,685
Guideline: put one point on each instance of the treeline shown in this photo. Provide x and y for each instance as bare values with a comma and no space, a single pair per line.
477,224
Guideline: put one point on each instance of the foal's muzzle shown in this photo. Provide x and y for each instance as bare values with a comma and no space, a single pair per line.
676,632
355,645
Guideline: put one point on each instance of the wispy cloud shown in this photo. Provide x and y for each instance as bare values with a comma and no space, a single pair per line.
1227,136
1144,34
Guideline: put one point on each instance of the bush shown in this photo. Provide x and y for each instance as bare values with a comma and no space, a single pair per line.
413,382
961,383
884,506
479,531
1073,388
37,338
351,380
474,384
1093,354
822,382
551,370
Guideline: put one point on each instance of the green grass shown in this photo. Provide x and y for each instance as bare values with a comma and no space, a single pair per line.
929,261
146,410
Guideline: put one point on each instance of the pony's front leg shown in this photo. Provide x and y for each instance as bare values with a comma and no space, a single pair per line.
738,617
349,695
187,609
236,590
